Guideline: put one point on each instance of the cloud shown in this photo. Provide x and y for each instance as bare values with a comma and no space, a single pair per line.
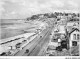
26,8
73,4
57,3
13,12
1,8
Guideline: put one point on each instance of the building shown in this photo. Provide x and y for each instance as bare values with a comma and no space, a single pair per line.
74,37
73,25
62,29
60,35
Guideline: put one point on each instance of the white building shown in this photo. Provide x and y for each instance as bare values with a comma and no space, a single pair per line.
73,24
74,37
62,29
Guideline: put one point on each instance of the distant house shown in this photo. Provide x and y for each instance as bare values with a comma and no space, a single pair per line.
73,24
74,37
60,36
60,32
62,29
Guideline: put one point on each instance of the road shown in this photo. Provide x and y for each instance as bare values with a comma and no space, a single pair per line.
36,45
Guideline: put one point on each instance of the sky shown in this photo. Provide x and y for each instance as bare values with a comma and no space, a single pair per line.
21,9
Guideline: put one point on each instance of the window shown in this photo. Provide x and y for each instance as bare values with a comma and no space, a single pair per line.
74,36
78,36
74,43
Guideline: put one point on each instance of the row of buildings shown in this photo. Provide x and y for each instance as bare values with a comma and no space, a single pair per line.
72,33
67,35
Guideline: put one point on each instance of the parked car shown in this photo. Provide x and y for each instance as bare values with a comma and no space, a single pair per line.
27,51
3,54
50,33
24,40
18,45
40,36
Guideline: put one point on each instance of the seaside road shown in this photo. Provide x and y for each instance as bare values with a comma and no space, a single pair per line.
35,46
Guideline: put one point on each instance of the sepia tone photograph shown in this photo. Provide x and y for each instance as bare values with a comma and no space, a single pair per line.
39,28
